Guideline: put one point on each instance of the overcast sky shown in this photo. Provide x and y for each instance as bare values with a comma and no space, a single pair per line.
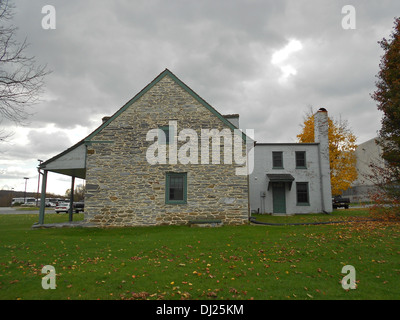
268,61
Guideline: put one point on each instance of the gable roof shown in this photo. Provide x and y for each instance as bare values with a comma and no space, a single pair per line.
163,74
108,120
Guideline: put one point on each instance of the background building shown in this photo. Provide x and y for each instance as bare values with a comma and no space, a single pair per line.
291,178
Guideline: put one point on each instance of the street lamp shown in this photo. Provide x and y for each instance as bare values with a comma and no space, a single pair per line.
26,180
37,194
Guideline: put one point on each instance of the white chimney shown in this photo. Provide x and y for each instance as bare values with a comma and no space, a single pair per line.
321,128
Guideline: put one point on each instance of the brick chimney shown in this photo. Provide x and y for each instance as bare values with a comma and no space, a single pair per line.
321,126
105,119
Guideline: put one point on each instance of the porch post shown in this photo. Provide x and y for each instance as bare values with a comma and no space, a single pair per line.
43,198
71,199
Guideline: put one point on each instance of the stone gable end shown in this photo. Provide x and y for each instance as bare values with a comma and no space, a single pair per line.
123,189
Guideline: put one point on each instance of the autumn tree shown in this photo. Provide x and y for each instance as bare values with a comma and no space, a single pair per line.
21,79
79,193
387,96
342,145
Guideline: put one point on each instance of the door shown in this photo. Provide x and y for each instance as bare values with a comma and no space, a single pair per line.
278,197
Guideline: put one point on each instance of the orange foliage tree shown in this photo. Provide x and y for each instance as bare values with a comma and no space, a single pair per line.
342,145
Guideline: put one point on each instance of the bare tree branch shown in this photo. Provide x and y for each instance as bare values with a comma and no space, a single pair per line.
21,80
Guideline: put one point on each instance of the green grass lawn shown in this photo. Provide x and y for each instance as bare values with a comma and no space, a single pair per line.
178,262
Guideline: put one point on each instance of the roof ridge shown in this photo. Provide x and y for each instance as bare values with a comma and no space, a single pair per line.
148,87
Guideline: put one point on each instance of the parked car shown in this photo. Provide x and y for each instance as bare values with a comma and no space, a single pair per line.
339,201
62,207
79,207
50,204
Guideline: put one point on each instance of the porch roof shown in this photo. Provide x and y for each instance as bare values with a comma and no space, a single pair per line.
280,177
71,162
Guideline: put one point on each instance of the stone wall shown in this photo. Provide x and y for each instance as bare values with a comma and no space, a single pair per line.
123,189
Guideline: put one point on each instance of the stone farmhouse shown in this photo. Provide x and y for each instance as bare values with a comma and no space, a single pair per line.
168,157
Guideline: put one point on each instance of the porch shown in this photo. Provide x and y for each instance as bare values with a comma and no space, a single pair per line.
71,162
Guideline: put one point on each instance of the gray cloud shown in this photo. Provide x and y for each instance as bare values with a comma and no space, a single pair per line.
37,144
104,52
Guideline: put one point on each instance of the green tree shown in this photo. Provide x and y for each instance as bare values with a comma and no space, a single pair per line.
387,96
